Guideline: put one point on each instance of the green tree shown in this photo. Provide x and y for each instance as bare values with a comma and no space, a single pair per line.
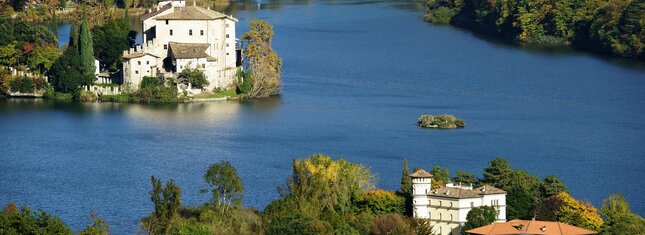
552,186
406,181
99,226
440,176
109,41
519,203
195,77
465,178
263,62
24,221
226,186
391,224
619,218
166,201
298,224
497,170
86,48
8,55
43,58
479,216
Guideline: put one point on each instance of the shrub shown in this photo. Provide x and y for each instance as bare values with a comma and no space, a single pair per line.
387,223
298,223
87,96
440,15
195,77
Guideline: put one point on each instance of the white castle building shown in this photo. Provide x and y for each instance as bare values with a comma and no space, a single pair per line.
176,37
447,207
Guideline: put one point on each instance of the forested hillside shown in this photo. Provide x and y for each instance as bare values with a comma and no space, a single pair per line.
604,26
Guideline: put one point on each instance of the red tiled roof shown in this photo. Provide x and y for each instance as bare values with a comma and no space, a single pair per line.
530,227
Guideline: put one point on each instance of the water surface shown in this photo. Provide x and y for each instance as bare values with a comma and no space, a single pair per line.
357,75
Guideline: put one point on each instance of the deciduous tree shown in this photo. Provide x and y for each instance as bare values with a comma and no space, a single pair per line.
226,185
264,63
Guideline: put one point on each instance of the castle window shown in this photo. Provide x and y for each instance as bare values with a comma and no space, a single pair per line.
450,217
166,22
201,32
165,46
190,32
472,204
136,71
226,25
171,32
429,215
440,216
139,62
226,35
147,62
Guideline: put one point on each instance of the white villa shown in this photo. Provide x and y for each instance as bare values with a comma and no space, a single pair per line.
447,207
175,37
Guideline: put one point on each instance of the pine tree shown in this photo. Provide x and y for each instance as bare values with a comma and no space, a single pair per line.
86,48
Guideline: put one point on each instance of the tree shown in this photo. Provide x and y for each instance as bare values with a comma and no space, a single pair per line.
380,202
43,58
552,186
24,221
263,62
326,184
68,73
564,208
440,176
519,203
465,178
497,169
195,77
166,201
479,216
406,181
86,48
98,227
226,186
391,224
8,55
619,218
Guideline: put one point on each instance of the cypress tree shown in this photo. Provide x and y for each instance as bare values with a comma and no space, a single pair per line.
73,37
86,48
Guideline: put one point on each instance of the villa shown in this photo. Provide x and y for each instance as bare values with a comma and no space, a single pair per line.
447,207
178,37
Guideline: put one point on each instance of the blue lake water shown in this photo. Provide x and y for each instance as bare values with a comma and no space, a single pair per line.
357,74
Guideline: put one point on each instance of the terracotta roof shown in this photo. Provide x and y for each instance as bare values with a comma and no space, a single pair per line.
420,174
188,50
155,12
530,227
454,193
194,13
487,189
137,55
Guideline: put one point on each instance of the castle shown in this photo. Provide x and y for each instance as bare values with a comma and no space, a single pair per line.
447,207
178,37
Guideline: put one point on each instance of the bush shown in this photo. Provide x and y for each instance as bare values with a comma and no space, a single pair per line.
387,223
24,221
152,90
195,77
297,223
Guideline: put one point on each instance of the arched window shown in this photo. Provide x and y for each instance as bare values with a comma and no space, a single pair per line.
429,215
440,230
450,217
450,204
440,216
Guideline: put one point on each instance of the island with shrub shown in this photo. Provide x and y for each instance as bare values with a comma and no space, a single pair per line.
443,121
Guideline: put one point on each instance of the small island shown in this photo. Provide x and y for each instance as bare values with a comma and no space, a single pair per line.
443,121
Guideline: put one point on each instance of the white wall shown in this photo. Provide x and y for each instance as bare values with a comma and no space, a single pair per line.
136,68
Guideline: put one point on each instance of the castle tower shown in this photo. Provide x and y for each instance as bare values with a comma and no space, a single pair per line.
421,186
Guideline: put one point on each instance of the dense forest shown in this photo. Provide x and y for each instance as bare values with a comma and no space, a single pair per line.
603,26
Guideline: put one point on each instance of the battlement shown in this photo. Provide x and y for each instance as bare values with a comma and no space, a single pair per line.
147,47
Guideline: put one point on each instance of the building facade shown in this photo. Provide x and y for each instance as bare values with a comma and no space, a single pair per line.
447,207
178,37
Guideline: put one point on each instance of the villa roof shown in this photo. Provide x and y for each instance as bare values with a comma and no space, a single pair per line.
487,189
530,227
195,13
420,174
155,12
450,192
137,55
188,50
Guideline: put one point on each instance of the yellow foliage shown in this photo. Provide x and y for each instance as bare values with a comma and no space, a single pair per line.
578,213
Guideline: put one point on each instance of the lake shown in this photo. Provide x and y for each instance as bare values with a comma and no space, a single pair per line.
357,75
